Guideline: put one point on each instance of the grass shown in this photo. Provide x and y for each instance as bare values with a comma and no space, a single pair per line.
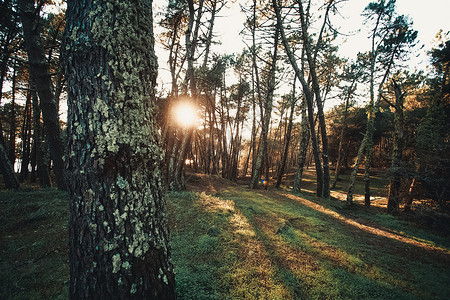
229,242
34,244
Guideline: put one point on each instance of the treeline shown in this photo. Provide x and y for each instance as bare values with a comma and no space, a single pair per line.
31,136
255,126
261,110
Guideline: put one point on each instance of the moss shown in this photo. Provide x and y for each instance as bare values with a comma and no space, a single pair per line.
116,262
133,288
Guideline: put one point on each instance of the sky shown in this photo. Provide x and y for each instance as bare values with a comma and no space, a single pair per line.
428,18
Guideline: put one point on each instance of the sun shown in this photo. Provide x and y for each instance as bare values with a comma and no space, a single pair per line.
185,114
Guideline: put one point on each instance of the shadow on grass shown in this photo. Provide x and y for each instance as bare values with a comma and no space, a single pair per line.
366,265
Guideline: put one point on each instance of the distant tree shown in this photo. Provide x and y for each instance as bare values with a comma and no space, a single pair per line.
119,244
282,167
433,134
311,86
40,74
266,112
304,141
391,38
352,74
9,177
10,42
39,160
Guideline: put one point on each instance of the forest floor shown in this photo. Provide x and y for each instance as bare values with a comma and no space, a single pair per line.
231,242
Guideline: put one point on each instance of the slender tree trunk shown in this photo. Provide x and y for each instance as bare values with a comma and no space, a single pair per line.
394,184
337,170
309,97
316,89
410,199
38,144
191,44
354,174
40,73
3,71
367,165
288,139
302,156
12,130
26,133
266,119
119,246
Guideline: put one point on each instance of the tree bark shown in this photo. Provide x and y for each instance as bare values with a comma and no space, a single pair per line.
9,176
119,244
40,74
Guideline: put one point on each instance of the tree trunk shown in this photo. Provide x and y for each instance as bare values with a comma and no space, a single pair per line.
26,134
394,184
38,144
337,170
12,130
309,97
354,174
266,119
304,141
410,199
316,89
288,140
367,165
3,71
40,74
9,177
118,237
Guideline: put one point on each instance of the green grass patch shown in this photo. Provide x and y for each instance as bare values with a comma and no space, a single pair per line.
34,244
239,244
351,263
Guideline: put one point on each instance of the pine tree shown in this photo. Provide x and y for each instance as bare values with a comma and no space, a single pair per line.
118,232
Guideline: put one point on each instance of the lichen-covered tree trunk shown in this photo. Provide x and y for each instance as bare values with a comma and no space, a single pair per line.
40,74
304,141
119,245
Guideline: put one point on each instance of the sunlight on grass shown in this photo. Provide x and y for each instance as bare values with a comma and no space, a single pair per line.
241,244
366,228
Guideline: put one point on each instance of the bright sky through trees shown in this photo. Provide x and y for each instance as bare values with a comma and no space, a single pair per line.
428,17
185,114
